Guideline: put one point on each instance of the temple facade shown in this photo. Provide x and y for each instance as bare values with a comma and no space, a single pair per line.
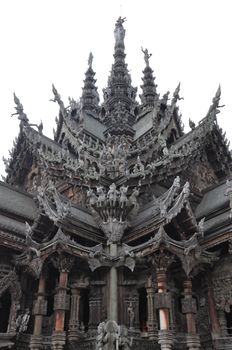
117,234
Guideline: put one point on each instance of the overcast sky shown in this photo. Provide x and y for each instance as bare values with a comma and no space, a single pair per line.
48,41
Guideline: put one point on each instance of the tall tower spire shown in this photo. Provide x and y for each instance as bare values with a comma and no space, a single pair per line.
149,94
119,87
90,97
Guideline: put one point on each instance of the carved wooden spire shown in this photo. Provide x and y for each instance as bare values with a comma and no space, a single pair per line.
149,94
90,97
119,83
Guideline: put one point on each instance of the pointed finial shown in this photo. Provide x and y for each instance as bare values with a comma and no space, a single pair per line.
217,97
213,109
40,127
56,95
176,96
19,110
90,60
146,56
192,125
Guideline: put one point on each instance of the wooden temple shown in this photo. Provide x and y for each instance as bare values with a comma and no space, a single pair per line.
117,234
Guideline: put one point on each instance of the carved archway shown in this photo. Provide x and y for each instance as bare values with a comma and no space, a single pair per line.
10,282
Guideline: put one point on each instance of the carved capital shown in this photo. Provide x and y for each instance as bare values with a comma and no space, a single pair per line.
63,262
161,260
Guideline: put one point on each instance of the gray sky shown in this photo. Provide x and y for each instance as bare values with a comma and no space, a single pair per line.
48,41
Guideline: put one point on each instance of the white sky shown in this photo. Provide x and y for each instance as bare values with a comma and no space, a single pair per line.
48,41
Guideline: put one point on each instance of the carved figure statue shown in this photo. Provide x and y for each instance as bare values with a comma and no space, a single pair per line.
22,321
111,339
101,196
133,197
112,194
124,342
163,144
123,197
165,98
131,315
146,56
100,336
91,197
119,32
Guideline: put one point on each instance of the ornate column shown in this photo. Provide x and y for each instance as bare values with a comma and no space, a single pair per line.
39,310
61,300
215,325
96,310
74,322
113,287
162,260
151,319
189,309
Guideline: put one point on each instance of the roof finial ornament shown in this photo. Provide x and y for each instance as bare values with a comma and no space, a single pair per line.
119,32
19,111
90,60
120,21
215,103
146,56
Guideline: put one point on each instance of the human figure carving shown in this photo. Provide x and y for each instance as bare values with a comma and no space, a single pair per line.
111,339
123,197
146,56
22,321
112,194
131,315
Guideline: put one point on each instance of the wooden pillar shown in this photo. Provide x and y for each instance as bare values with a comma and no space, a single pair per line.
113,287
60,302
189,309
74,322
215,325
151,312
164,319
39,310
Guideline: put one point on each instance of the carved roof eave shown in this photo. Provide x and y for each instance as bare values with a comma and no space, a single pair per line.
159,218
189,252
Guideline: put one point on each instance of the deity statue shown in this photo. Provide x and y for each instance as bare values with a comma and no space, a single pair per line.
131,315
22,321
124,342
112,194
111,339
146,56
119,32
123,197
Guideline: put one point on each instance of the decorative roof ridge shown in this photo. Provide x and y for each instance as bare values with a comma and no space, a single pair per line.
16,189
